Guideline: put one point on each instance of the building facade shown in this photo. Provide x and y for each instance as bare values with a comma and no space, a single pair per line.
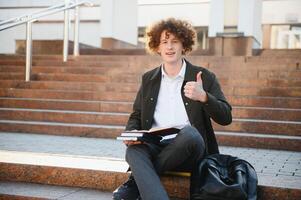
121,24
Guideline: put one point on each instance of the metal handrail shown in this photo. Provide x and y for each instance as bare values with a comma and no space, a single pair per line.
45,12
30,18
21,18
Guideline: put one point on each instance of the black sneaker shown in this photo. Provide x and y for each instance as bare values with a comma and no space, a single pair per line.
127,191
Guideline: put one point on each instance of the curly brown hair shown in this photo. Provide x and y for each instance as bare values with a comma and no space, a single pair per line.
181,29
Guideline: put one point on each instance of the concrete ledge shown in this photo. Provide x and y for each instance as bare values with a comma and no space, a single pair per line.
112,43
106,174
231,46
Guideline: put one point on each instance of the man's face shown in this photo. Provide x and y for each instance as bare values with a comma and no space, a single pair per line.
170,48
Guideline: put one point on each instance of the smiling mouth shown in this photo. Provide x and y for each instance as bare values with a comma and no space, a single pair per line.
170,53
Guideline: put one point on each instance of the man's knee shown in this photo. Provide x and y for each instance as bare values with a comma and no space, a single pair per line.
135,151
131,152
190,135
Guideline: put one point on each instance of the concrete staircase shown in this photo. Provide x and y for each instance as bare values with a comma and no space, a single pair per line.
92,96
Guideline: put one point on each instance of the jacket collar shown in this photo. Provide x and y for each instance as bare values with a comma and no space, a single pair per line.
157,73
190,72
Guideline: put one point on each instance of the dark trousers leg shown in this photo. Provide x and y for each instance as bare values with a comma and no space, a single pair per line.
182,153
147,161
139,158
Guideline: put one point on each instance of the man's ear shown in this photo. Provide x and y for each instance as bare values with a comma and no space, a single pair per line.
158,51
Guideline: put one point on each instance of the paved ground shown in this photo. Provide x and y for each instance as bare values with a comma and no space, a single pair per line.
275,168
52,192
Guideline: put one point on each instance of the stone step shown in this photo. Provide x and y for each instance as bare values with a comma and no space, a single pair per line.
151,61
53,63
277,172
266,53
57,104
130,96
126,78
12,62
259,74
64,85
292,128
274,59
134,66
284,114
23,57
285,88
265,140
33,191
121,67
86,64
94,82
55,69
266,113
255,84
90,105
279,52
260,82
194,59
55,128
112,84
44,72
12,76
264,91
80,117
108,67
219,65
275,102
255,140
63,94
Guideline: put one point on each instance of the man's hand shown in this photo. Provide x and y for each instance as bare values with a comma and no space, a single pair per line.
130,142
194,90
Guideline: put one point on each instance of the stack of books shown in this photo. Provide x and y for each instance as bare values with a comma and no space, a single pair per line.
154,135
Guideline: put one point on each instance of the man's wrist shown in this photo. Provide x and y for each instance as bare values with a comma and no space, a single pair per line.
203,97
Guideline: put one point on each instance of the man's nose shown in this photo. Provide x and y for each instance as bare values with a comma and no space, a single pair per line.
169,45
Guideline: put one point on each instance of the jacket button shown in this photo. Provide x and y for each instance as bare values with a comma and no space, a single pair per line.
152,99
186,104
146,121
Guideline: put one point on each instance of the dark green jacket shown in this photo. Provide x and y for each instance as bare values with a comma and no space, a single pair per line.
199,114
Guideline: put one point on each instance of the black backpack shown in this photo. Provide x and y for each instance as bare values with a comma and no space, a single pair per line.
224,177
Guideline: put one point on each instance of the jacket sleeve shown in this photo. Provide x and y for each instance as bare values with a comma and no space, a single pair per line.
217,106
134,122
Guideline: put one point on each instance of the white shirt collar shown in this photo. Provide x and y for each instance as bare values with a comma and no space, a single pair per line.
181,73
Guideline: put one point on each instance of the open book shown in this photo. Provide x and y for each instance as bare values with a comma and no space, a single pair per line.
154,135
162,131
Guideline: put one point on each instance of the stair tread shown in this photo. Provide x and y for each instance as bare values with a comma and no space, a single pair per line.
72,97
33,190
35,110
278,169
76,145
10,189
93,153
219,128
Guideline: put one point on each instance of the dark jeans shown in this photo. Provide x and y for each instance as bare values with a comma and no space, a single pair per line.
148,161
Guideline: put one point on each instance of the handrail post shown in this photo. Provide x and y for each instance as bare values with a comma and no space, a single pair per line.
66,32
76,31
28,50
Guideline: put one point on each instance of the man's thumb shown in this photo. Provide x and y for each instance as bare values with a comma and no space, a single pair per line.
199,77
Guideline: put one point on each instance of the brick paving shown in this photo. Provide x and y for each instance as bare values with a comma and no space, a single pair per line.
274,168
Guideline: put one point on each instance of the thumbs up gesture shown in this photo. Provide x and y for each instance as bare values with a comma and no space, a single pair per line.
194,89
